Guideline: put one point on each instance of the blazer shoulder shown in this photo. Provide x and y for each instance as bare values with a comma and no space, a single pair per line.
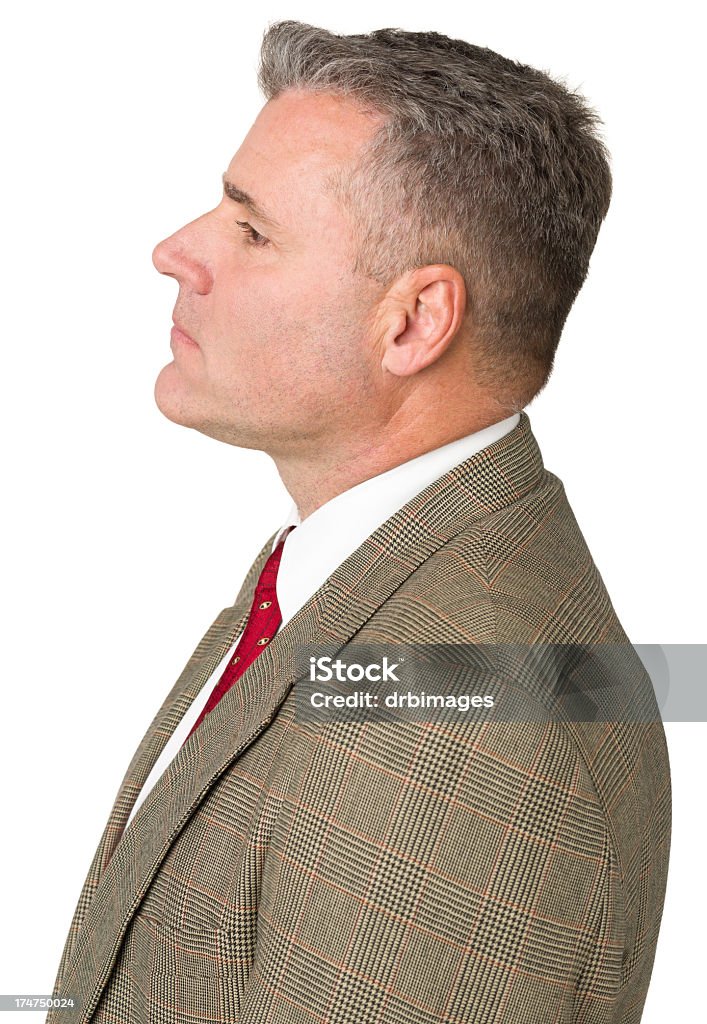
522,573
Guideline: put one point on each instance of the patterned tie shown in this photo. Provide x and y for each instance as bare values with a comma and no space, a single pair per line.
263,622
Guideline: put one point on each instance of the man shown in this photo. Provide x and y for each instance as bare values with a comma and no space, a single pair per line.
373,302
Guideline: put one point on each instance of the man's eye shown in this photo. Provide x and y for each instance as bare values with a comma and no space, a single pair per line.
254,237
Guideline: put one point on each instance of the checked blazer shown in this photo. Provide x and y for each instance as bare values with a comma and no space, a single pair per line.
286,870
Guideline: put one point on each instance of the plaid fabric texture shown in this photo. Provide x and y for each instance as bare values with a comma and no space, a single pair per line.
285,871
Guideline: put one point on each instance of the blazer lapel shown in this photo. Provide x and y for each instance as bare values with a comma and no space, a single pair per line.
482,484
212,647
207,655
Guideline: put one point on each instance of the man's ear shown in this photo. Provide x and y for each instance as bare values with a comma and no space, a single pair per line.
427,309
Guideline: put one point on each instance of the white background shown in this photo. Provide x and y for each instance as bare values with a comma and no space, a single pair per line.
124,534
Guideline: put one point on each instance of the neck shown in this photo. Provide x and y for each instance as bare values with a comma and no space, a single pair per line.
315,477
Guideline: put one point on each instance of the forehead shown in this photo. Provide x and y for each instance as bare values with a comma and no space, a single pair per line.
298,139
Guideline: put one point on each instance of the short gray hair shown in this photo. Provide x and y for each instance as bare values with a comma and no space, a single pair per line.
482,163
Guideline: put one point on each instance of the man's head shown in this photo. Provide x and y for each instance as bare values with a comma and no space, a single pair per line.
431,207
269,294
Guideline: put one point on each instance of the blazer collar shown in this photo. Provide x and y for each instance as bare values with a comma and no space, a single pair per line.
482,484
333,531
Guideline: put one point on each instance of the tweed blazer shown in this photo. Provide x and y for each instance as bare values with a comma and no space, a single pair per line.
292,871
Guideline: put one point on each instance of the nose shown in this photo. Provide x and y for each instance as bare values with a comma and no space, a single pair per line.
179,256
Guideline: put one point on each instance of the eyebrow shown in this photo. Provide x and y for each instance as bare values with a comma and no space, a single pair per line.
238,195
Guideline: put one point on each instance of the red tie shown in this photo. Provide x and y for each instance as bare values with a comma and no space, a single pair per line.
263,622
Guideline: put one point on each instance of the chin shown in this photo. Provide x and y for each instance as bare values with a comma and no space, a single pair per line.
177,403
171,400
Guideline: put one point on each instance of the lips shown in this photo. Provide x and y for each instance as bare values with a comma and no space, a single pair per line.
180,335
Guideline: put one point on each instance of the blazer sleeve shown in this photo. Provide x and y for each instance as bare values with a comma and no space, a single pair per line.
437,872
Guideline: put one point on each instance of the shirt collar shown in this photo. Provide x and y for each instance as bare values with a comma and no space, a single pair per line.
333,531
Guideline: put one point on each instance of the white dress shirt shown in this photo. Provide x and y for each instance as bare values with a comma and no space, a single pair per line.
326,538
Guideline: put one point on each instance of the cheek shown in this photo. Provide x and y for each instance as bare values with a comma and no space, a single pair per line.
307,329
249,302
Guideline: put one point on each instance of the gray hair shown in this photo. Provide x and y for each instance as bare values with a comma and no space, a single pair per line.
482,163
